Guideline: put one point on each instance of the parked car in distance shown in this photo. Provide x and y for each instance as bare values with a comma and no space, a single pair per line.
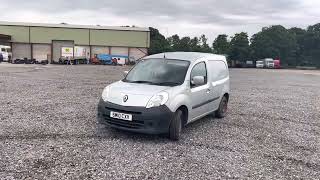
259,64
164,92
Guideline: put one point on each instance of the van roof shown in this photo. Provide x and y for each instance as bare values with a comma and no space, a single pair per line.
188,56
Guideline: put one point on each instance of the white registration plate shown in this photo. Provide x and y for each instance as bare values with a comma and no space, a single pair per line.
117,115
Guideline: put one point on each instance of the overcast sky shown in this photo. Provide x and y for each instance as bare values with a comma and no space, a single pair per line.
183,17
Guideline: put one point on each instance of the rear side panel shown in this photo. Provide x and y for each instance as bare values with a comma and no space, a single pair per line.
219,78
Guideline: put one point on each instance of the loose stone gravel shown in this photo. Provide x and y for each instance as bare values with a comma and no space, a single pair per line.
48,129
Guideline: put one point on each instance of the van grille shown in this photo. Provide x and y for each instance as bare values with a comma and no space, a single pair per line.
122,111
134,124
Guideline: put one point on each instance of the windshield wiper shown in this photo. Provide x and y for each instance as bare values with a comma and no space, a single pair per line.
139,82
166,83
155,83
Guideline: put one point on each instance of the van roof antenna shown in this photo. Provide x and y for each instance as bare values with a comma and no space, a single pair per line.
164,55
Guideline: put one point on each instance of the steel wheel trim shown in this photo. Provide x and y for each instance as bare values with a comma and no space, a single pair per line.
224,106
180,124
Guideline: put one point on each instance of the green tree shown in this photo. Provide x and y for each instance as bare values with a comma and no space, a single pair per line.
204,46
187,44
184,44
239,47
195,44
178,44
311,46
274,42
221,44
299,35
158,42
174,42
294,46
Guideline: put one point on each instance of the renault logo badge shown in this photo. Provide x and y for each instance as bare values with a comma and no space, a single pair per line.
125,98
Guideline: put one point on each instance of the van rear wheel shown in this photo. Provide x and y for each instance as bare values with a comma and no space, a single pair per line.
176,126
223,107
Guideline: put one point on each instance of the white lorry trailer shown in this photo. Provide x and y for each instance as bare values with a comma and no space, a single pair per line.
268,63
6,52
265,63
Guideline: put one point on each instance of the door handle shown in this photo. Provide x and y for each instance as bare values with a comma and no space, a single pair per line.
208,91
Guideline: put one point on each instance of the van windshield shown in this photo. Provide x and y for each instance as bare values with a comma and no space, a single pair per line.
162,72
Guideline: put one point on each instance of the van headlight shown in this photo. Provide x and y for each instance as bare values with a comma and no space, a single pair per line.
158,100
105,93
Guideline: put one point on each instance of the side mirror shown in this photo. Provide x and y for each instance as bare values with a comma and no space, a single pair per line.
197,80
125,73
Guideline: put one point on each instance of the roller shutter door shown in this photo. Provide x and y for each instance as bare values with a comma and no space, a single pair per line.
20,51
138,53
42,52
57,45
99,50
122,51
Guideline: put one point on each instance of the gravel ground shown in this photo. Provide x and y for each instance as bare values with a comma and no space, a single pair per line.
48,129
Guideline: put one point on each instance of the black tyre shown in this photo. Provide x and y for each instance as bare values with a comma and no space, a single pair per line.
176,126
223,107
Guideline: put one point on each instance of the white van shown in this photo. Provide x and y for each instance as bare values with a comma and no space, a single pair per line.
164,92
259,64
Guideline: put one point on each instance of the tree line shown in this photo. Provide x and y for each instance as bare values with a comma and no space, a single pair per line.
294,46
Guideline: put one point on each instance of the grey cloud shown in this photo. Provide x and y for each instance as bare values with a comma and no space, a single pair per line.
192,11
204,11
227,16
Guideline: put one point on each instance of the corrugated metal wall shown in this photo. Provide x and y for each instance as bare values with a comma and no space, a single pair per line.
100,40
123,51
46,35
99,50
138,53
119,38
18,33
98,37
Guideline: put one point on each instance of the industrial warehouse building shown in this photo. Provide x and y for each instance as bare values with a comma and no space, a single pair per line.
49,41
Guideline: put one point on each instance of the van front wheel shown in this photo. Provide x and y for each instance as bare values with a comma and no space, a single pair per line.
223,107
176,126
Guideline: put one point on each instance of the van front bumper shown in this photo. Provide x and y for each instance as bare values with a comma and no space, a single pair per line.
150,121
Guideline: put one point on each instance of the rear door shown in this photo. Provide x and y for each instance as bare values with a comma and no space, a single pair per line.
199,94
